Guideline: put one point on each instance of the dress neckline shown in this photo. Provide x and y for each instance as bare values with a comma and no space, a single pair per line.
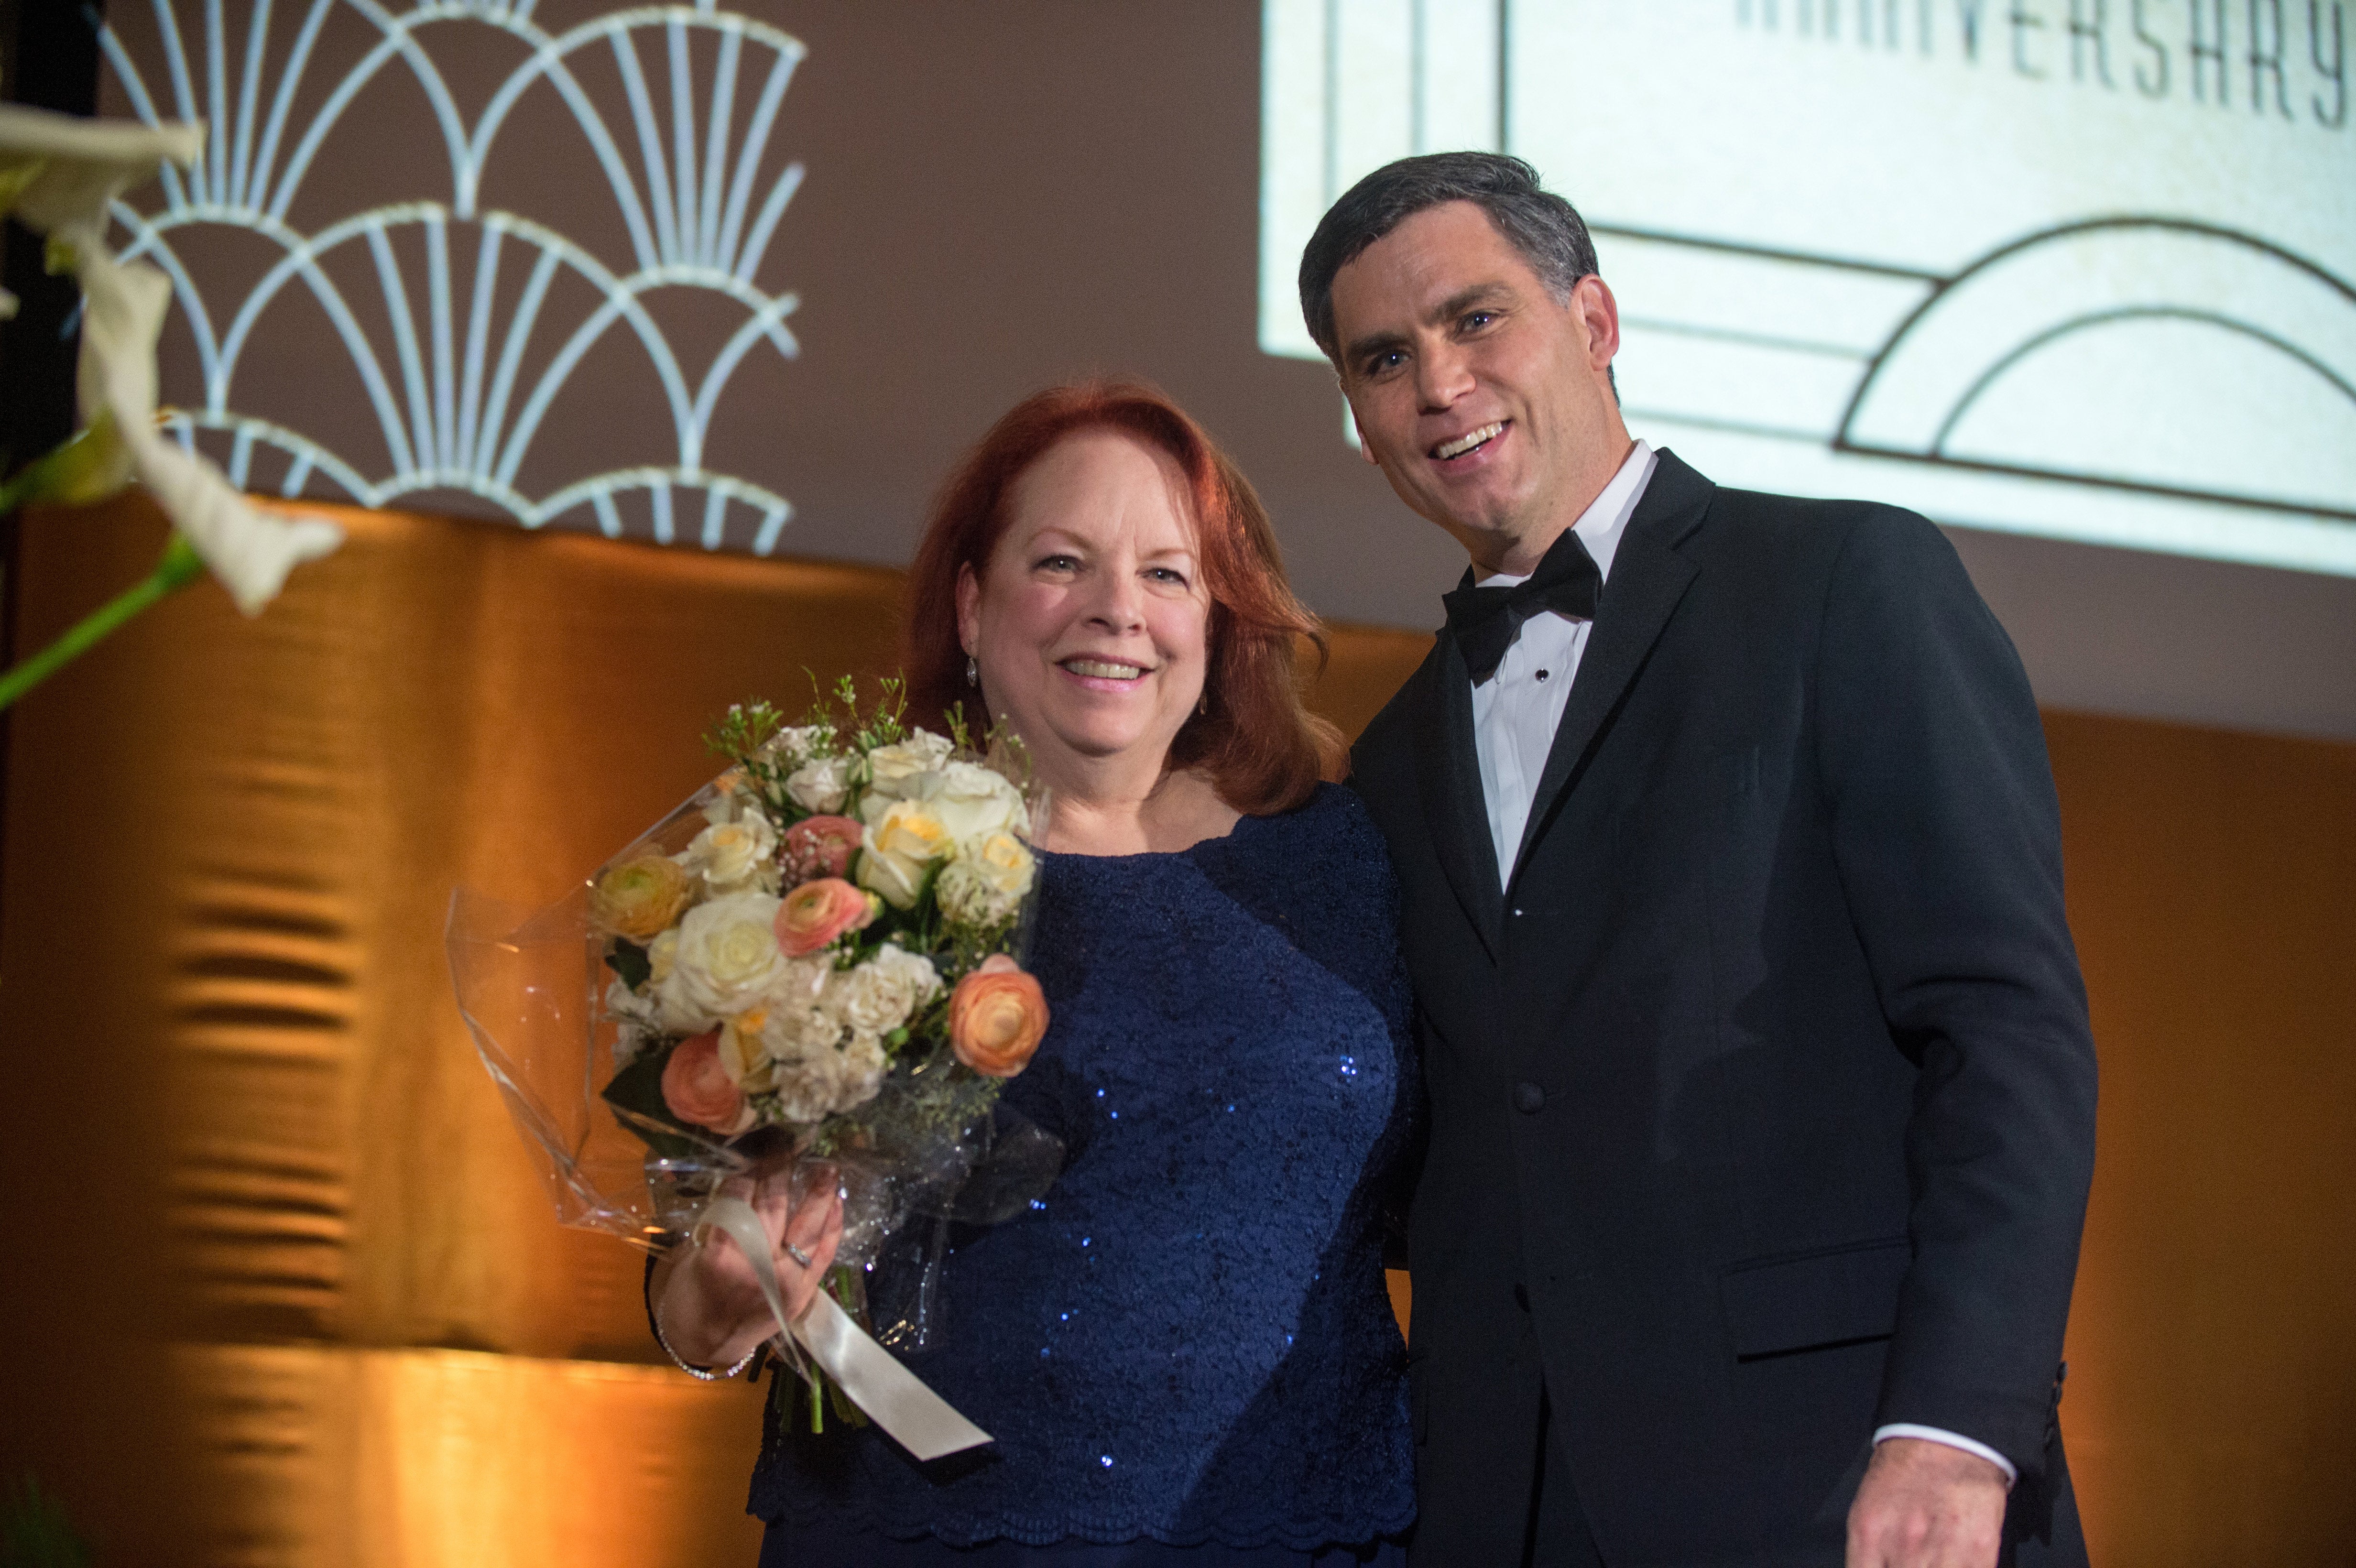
1229,836
1246,822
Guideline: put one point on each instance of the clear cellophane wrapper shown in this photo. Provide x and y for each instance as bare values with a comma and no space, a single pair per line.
578,1055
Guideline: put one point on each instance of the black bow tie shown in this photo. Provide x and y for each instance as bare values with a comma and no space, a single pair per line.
1485,620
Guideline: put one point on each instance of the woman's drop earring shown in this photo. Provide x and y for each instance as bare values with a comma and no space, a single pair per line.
972,671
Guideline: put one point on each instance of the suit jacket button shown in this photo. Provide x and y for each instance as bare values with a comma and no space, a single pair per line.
1528,1099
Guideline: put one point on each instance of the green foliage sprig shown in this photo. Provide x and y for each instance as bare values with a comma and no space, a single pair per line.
36,1531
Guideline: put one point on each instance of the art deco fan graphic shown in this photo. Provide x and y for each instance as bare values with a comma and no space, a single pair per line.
465,257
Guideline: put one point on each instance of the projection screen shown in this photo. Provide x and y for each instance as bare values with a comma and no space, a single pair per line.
2074,267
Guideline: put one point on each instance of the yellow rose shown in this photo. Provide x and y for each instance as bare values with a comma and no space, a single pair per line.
744,1057
639,898
903,841
1004,862
984,885
734,856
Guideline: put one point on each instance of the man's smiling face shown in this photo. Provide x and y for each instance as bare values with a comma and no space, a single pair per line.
1482,396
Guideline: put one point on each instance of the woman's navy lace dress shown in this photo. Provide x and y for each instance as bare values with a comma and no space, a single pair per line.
1185,1350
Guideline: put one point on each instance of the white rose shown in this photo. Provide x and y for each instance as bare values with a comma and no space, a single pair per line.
726,960
877,996
976,802
903,840
894,772
821,785
735,856
675,1015
674,1012
984,885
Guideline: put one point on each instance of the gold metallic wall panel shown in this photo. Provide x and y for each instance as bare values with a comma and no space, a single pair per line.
240,1112
2212,1399
329,1458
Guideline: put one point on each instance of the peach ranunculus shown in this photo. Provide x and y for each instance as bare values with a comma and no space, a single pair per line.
997,1017
640,898
819,847
816,913
698,1090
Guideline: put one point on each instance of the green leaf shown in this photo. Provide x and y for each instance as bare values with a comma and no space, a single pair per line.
638,1089
629,961
35,1532
745,727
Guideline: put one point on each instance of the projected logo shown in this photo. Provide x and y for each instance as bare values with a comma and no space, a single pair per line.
434,341
2082,271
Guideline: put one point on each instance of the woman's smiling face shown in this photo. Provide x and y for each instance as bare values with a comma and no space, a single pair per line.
1090,622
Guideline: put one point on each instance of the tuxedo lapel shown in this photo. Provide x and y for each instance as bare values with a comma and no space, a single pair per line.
1448,771
1648,578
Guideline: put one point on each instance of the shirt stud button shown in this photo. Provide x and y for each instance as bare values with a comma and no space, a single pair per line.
1543,673
1528,1099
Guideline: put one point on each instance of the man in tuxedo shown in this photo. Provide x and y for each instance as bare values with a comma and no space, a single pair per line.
1763,1096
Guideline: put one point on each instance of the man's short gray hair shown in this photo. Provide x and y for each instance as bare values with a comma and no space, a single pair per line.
1544,228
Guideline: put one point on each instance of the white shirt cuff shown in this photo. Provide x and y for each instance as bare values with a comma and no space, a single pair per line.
1952,1440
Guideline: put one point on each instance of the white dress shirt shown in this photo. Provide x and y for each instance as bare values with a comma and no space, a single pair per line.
1516,712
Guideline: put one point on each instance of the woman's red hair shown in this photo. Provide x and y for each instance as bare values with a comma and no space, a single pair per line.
1262,750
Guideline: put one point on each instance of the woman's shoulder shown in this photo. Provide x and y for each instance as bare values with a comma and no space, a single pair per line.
1332,820
1325,847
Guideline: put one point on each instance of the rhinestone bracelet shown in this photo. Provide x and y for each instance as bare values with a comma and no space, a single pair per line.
703,1374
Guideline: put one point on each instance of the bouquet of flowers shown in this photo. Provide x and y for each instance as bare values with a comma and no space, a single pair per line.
813,959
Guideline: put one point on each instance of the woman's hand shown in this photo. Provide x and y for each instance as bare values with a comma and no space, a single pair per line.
707,1296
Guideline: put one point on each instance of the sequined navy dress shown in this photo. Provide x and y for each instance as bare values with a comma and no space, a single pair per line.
1184,1352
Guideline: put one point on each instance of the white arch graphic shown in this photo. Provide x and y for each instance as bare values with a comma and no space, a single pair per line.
1956,346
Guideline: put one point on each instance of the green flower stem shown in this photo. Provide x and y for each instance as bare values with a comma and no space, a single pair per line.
15,492
180,565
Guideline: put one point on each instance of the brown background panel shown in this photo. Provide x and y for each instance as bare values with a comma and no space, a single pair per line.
242,1117
2212,1398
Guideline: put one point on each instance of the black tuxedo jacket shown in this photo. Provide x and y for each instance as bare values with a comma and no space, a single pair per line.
1763,1097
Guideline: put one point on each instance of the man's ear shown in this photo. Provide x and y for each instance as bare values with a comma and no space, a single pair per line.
1600,312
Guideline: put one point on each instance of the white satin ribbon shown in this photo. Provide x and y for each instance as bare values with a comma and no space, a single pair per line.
895,1398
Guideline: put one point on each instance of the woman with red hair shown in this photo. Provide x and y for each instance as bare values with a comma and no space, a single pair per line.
1184,1352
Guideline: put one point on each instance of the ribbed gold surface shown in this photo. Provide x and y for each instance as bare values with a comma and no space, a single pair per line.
393,1458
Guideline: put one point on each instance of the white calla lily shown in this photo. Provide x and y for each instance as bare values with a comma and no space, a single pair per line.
124,305
56,170
59,174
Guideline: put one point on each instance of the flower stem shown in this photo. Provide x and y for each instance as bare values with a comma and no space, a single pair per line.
180,567
15,492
